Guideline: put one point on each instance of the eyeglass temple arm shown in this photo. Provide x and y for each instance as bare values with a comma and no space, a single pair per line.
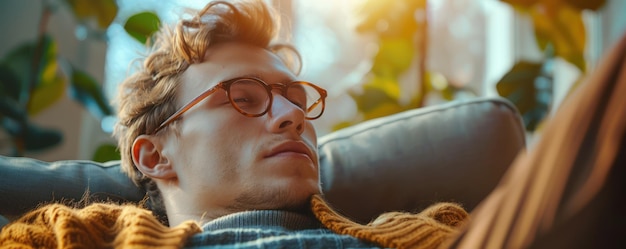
185,108
314,105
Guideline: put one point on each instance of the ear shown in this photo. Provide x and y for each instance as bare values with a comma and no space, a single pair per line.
150,160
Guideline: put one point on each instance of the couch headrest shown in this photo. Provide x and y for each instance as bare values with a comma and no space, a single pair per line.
451,152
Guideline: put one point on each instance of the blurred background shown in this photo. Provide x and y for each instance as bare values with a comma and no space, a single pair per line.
61,60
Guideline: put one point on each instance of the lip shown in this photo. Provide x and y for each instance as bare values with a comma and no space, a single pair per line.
290,146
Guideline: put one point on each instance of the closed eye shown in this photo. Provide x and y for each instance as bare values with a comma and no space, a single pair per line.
241,100
299,103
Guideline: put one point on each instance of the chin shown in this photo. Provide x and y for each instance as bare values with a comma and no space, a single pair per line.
283,198
294,197
295,203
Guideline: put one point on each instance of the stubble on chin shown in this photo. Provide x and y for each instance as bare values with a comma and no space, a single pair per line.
271,200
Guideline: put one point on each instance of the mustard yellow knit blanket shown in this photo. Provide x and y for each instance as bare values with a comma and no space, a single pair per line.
121,226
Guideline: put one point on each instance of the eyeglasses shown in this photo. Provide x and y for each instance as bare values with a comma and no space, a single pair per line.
253,97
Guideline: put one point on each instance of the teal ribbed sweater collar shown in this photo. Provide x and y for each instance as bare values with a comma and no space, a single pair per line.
264,219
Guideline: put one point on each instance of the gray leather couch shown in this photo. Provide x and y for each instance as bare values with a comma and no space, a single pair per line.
456,151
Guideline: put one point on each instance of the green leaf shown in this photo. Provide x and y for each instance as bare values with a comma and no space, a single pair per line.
21,62
46,94
394,56
371,98
563,27
48,64
374,102
103,10
560,23
88,92
48,82
105,153
141,26
39,138
51,85
384,109
530,89
11,109
391,87
30,136
30,88
10,84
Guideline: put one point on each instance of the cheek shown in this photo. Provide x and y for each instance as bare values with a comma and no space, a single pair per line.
210,164
203,142
310,137
309,134
218,146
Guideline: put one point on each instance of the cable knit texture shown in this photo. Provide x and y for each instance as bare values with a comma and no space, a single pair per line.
95,226
123,226
427,229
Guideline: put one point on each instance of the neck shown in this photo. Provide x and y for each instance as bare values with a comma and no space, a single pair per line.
176,214
180,208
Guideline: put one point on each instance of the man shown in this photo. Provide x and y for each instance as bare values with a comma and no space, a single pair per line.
217,128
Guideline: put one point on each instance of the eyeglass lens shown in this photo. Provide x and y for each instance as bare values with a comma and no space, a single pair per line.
252,97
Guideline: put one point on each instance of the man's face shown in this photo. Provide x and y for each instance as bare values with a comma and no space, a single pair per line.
230,162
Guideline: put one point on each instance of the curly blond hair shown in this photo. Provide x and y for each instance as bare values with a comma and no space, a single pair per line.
148,96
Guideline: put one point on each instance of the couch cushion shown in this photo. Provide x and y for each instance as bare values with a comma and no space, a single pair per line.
451,152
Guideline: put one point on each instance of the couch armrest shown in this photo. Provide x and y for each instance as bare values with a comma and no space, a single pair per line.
27,182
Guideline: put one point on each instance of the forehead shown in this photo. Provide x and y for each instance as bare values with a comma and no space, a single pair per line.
230,60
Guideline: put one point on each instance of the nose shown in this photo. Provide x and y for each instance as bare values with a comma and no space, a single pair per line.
285,116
